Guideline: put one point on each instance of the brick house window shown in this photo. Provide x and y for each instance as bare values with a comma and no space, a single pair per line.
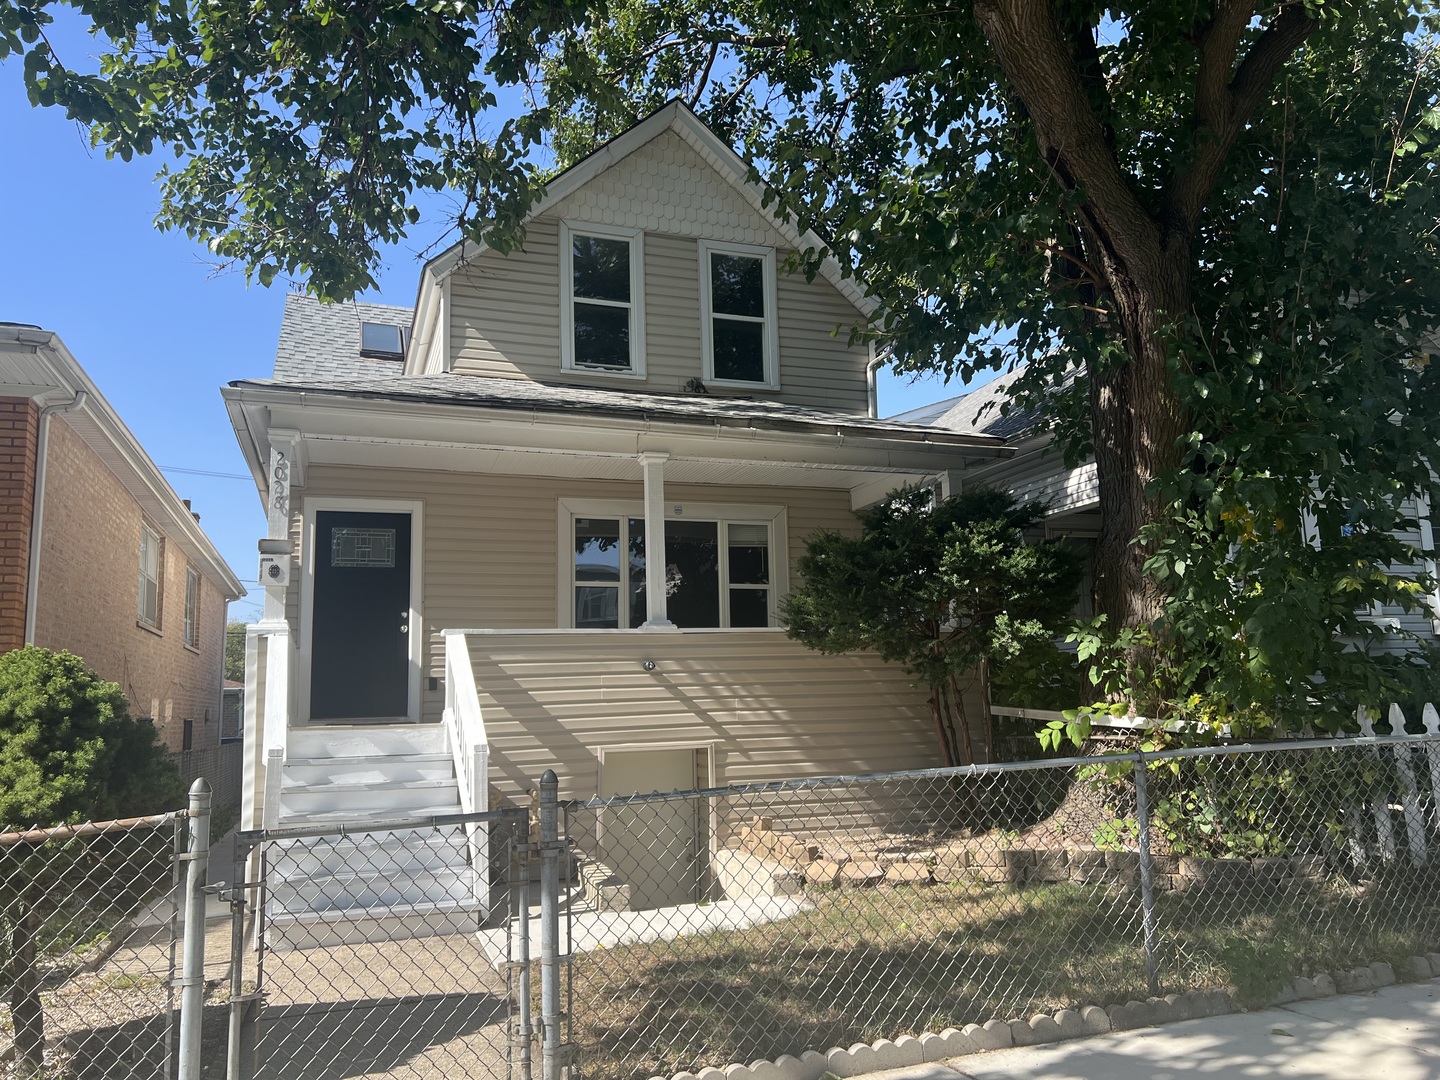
152,561
192,607
187,736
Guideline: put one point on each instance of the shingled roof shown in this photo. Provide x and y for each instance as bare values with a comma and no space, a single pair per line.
323,340
526,395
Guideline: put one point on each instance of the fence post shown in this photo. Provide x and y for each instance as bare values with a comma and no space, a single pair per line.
1147,877
1409,791
524,1031
550,924
192,960
240,1002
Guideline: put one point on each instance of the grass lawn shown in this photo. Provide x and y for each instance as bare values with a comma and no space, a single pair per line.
865,964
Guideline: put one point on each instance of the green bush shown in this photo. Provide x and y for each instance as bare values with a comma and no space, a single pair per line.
69,752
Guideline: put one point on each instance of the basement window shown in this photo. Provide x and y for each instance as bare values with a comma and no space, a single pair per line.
381,341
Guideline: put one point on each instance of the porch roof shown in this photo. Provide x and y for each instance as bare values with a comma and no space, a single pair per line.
576,401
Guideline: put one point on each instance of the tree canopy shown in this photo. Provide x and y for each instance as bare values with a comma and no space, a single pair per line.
69,749
1221,216
941,588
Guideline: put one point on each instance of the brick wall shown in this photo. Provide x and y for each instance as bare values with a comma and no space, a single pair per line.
19,423
88,591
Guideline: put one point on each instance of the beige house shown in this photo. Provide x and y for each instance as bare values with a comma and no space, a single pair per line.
98,554
547,518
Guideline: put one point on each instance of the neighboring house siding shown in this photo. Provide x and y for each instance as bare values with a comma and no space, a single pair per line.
505,309
86,603
490,541
19,424
767,707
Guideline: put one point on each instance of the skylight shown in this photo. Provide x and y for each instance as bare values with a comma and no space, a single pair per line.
382,341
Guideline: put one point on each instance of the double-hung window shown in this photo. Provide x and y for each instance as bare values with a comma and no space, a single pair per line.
719,571
601,300
737,304
152,564
192,607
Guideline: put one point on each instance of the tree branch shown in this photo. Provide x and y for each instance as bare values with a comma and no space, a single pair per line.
1223,108
1041,66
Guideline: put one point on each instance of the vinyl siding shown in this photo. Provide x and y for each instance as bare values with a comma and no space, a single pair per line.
765,706
505,309
490,558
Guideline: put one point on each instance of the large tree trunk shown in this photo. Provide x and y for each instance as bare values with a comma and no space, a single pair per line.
1136,423
1136,240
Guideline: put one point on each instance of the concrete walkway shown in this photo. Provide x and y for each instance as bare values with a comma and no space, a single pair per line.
1392,1034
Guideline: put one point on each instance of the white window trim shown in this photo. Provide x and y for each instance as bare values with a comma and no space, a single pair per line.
636,239
159,544
771,337
726,513
300,707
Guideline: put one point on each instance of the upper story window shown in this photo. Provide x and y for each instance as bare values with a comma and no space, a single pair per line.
737,302
381,341
152,564
601,300
192,607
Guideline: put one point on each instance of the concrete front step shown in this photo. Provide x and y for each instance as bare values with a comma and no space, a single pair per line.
369,740
398,798
327,929
366,769
373,893
388,853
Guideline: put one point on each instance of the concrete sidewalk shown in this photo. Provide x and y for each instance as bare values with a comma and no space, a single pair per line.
1392,1034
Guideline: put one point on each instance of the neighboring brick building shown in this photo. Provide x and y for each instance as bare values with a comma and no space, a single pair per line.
124,578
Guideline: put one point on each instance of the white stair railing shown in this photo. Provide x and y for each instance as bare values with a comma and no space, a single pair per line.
465,736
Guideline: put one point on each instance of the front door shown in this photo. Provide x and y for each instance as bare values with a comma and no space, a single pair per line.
360,629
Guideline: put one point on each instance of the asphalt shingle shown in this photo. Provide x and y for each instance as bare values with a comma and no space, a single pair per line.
323,340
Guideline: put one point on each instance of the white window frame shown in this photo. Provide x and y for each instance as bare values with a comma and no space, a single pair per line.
155,540
771,336
772,517
192,608
636,240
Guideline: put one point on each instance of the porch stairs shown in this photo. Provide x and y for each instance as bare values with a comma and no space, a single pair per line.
370,886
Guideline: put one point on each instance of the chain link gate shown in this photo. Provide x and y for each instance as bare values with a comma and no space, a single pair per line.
90,916
391,948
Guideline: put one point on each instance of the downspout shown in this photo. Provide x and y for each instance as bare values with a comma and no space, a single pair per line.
872,391
37,510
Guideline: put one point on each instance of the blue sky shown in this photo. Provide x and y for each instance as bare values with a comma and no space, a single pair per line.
152,319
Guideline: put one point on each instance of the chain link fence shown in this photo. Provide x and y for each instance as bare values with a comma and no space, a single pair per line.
729,925
88,949
381,949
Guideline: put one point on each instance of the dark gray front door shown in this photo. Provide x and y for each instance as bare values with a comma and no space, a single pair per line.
360,632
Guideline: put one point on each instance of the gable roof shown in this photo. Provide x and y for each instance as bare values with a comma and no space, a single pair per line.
980,412
323,340
674,116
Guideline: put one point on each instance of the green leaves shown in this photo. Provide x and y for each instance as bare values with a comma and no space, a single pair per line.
936,586
69,750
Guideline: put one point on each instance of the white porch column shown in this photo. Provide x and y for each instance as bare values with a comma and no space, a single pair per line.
652,462
277,519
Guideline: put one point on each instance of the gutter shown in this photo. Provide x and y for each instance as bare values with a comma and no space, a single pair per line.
622,416
37,511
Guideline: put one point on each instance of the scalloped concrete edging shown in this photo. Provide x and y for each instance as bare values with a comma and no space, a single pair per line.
884,1054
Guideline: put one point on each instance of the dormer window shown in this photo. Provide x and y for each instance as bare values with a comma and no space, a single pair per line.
603,322
382,341
737,301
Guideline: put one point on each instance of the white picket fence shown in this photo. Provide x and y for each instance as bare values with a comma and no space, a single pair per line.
1411,799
